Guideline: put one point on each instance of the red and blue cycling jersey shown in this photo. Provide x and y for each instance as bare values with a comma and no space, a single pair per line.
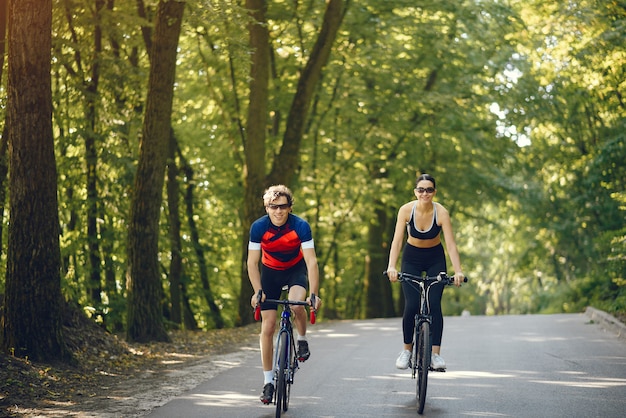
281,246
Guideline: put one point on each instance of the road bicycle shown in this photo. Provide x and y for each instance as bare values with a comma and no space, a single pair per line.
422,344
285,359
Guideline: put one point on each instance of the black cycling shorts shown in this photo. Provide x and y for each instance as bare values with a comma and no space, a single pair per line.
273,281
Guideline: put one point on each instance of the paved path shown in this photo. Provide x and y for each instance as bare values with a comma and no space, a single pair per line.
507,366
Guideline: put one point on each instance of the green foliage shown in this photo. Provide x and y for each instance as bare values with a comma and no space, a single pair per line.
512,107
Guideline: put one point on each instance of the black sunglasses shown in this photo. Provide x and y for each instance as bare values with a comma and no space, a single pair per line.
283,206
428,190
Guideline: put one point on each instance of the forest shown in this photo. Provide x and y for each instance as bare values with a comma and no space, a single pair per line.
159,123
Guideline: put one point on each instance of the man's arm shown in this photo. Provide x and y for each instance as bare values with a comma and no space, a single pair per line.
254,274
313,271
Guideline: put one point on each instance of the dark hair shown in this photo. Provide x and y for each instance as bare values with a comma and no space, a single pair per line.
427,177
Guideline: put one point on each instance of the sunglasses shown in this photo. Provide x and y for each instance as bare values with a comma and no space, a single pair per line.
275,207
428,190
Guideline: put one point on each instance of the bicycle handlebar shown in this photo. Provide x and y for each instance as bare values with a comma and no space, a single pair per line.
285,302
441,277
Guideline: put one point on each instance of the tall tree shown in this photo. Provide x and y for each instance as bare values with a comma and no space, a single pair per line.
173,214
4,167
254,142
285,164
33,302
89,79
194,233
91,154
145,320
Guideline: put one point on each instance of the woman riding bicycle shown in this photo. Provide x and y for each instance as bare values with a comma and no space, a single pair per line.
423,219
283,243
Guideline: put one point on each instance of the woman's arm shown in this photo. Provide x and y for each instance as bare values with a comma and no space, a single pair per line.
396,243
453,252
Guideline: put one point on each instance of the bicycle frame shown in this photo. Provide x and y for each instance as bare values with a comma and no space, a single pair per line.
286,327
422,342
425,283
285,360
422,316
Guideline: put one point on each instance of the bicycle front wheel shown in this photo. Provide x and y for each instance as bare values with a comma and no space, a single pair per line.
413,363
289,373
423,361
283,370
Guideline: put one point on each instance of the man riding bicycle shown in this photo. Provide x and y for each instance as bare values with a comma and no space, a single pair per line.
283,243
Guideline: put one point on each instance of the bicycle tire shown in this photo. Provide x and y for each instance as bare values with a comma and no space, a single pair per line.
283,367
413,363
291,365
423,354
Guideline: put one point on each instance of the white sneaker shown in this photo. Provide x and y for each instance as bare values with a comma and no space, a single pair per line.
437,362
403,360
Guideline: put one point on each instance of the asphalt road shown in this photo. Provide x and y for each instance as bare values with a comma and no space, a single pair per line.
507,366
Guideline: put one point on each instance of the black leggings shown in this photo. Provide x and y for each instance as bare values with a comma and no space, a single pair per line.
415,261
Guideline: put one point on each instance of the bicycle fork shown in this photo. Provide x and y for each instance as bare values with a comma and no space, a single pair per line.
293,359
289,355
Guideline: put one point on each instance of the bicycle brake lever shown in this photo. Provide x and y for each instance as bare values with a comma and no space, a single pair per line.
312,314
257,308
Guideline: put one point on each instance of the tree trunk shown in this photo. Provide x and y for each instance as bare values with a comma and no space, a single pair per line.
216,314
4,163
4,176
189,321
145,320
379,300
284,167
176,262
254,143
33,302
91,156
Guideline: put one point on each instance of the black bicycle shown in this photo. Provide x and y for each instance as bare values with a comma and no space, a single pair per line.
285,359
422,344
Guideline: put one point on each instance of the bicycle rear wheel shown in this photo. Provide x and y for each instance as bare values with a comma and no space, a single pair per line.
423,360
282,394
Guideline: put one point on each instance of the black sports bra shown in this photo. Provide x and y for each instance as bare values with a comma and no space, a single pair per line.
433,232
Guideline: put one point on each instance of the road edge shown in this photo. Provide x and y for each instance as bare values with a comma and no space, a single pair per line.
607,321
